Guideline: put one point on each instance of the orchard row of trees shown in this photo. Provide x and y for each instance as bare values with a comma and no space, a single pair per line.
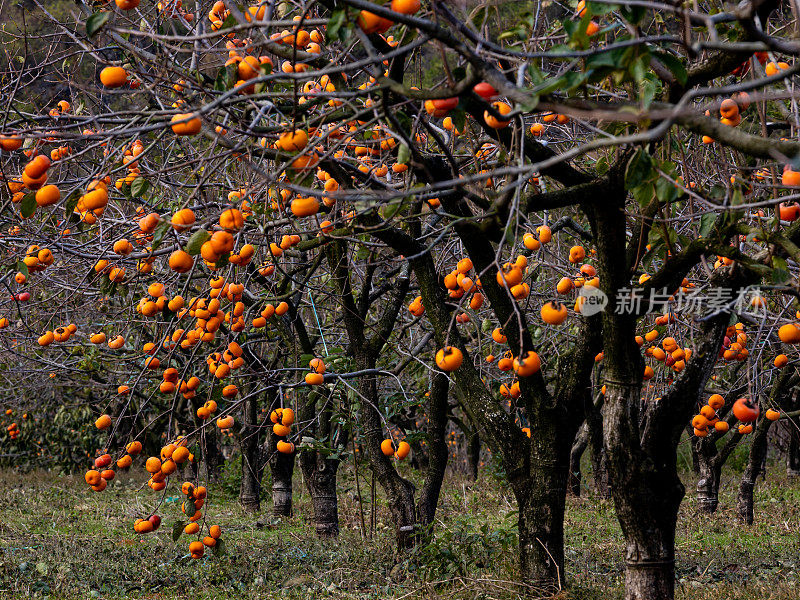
316,227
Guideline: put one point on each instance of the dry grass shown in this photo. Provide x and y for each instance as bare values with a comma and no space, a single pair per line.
60,540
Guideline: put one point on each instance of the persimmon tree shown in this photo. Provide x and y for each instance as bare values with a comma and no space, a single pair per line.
287,222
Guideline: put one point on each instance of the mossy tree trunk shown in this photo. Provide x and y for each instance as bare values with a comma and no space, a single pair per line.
250,487
319,468
575,455
281,468
436,427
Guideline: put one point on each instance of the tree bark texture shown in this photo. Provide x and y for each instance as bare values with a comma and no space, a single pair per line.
319,470
250,487
576,453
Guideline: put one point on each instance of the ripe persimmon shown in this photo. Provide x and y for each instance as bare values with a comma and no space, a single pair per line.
495,123
231,219
9,143
293,141
449,358
113,77
47,195
554,313
183,219
729,109
186,124
372,23
789,333
387,447
284,447
746,410
305,207
403,448
528,364
406,7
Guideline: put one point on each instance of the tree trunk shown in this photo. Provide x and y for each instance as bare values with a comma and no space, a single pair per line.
647,493
755,460
541,498
647,579
710,469
399,491
473,454
575,455
282,468
319,470
594,423
437,449
695,454
209,447
320,476
793,451
250,488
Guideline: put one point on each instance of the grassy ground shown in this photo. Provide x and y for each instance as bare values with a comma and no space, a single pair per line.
60,540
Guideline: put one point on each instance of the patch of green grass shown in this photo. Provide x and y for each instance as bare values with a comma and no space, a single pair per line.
58,539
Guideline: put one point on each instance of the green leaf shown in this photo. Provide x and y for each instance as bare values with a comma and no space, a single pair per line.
72,202
643,194
199,237
218,549
639,67
647,89
177,530
189,507
96,22
22,268
598,10
606,59
707,223
529,104
459,117
229,22
231,75
223,260
675,66
126,191
139,186
640,170
633,14
780,270
404,120
219,82
389,210
403,154
159,233
336,24
666,190
572,80
28,205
